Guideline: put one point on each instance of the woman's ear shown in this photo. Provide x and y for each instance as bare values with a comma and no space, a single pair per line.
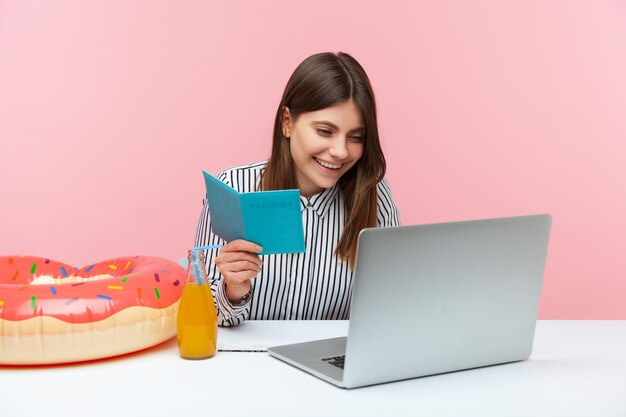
286,122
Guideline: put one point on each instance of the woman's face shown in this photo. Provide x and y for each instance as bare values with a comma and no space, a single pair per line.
324,144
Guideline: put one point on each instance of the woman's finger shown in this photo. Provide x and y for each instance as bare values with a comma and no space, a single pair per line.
238,278
241,245
229,257
239,266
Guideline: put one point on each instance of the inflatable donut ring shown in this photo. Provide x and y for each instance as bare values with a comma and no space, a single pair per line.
51,312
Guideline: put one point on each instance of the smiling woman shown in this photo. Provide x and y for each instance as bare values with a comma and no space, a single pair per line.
321,150
326,144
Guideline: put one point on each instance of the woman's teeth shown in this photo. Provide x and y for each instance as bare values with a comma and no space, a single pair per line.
327,165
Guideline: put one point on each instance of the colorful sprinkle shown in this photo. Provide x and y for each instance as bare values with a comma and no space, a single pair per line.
112,267
89,269
115,287
14,277
71,301
127,264
63,272
104,297
176,283
53,290
139,293
32,301
156,277
164,270
23,287
77,284
156,291
125,279
33,268
1,303
131,271
47,261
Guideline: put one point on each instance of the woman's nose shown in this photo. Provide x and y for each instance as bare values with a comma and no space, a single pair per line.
339,148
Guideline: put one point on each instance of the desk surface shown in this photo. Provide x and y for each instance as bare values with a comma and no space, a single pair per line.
578,368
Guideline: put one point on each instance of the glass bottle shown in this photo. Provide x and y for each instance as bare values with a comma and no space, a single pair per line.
196,324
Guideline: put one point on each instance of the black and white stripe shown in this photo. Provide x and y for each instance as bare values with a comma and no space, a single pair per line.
314,285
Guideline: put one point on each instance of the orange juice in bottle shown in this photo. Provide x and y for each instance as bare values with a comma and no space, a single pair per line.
196,324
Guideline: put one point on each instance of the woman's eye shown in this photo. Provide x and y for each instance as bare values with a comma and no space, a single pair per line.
356,139
324,132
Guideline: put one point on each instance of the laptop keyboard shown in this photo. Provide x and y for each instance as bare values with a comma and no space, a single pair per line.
336,360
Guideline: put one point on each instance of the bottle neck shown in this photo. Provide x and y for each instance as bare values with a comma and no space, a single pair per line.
196,271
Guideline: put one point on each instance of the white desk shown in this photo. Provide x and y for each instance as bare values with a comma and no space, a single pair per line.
578,368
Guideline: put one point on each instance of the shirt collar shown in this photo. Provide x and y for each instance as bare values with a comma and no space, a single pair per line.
320,203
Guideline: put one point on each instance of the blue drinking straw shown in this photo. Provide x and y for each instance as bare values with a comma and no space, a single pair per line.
199,248
195,265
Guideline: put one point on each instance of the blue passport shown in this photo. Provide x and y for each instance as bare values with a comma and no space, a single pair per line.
271,219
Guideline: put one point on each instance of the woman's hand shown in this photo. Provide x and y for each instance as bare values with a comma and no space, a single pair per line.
238,261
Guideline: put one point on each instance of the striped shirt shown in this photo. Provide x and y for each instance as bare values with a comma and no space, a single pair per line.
313,285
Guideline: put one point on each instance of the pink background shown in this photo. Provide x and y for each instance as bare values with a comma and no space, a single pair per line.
110,109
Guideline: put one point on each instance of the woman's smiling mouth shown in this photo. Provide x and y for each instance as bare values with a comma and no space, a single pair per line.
327,164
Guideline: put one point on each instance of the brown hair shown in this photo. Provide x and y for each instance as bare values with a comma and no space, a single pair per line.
323,80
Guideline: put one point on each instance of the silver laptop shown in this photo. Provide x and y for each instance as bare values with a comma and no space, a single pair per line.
435,298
